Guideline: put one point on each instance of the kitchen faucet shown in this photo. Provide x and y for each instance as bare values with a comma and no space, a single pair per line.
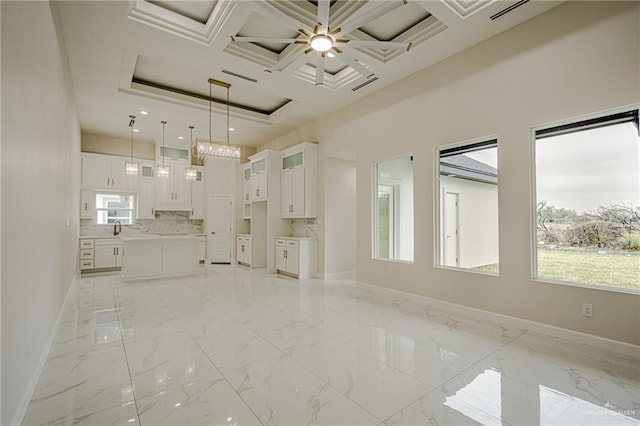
117,227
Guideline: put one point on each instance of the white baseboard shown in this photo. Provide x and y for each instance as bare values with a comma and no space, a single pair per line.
18,417
599,342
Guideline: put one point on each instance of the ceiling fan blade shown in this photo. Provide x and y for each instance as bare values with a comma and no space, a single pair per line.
319,69
263,39
305,32
374,44
323,15
376,12
355,65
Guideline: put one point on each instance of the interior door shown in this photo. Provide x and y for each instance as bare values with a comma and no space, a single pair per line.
451,230
219,228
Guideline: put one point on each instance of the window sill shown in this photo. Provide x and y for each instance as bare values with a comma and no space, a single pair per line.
587,286
382,259
472,271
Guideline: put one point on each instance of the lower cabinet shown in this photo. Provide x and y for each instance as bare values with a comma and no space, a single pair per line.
100,253
202,249
243,249
296,256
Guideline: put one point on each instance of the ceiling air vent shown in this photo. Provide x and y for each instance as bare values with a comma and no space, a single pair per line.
244,77
507,10
360,86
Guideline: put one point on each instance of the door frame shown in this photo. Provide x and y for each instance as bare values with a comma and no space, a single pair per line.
207,226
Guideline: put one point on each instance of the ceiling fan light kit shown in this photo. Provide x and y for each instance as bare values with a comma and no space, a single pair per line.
323,40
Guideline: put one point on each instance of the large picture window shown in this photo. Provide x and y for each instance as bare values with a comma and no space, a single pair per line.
111,207
393,209
468,206
587,187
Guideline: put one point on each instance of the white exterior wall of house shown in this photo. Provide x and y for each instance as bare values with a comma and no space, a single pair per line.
579,58
477,220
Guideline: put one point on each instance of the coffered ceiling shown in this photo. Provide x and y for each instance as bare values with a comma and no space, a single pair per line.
156,56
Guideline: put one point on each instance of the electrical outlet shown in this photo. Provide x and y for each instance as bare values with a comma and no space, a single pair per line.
587,310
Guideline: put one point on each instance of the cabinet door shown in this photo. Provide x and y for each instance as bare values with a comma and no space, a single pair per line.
293,261
286,207
239,250
164,189
105,256
247,252
145,209
197,197
86,204
246,185
254,185
181,189
119,179
118,257
297,192
281,260
96,172
262,186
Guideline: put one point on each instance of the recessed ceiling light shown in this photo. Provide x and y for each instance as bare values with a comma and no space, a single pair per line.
331,54
136,130
231,129
144,112
180,137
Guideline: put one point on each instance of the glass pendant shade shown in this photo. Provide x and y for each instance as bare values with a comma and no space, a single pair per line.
210,149
163,171
131,168
190,173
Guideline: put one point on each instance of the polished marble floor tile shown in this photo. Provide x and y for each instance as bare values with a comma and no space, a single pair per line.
238,346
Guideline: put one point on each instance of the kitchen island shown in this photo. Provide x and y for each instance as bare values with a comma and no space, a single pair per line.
153,256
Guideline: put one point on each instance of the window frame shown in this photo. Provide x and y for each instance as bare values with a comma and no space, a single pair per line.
375,207
437,199
100,209
534,200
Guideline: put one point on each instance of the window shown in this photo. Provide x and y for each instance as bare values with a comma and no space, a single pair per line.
111,207
393,209
468,207
587,186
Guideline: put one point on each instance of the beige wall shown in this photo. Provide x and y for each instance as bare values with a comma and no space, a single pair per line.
40,197
579,58
111,145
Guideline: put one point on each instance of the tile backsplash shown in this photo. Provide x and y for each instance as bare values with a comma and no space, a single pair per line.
304,228
165,222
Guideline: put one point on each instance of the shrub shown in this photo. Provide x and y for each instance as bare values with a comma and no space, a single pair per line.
630,241
592,234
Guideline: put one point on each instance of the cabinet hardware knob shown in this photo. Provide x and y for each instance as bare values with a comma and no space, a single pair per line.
213,232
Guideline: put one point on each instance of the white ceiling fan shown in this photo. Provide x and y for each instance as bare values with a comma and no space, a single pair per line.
322,39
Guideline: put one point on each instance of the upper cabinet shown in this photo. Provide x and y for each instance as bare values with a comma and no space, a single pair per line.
173,192
146,192
197,195
106,172
258,183
246,183
298,181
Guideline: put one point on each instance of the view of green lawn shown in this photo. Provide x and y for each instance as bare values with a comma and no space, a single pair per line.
581,266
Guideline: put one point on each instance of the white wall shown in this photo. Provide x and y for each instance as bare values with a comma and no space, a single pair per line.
340,211
578,58
477,220
40,196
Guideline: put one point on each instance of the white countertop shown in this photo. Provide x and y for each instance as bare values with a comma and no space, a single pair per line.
160,237
138,236
297,238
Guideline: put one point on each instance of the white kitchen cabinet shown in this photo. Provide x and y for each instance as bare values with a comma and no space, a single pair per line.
86,253
202,249
296,256
173,192
146,192
87,201
243,249
107,253
197,194
106,172
246,183
298,181
258,189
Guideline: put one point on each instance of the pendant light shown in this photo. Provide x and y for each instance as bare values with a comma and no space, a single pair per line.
163,171
131,167
191,173
214,150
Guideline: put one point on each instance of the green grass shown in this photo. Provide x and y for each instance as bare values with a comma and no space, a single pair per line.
613,270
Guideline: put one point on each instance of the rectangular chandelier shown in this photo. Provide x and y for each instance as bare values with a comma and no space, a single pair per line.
206,149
